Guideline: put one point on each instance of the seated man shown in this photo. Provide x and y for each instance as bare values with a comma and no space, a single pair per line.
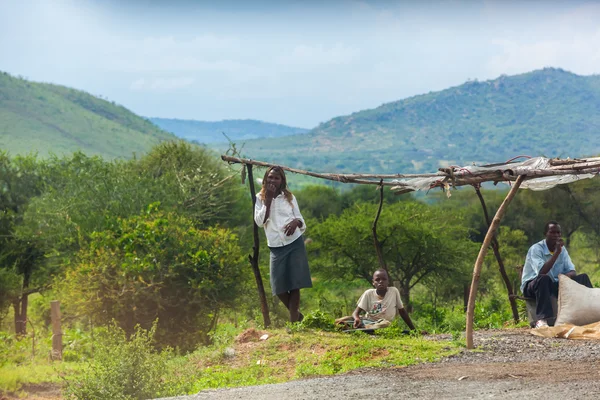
380,305
545,261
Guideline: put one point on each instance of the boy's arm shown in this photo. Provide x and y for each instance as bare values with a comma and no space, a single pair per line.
406,318
356,316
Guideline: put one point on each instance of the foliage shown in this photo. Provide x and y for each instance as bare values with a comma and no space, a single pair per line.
158,265
124,368
418,244
81,195
24,360
318,201
370,194
192,181
86,194
316,320
10,288
21,179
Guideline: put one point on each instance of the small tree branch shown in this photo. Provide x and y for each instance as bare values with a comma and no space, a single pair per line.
374,230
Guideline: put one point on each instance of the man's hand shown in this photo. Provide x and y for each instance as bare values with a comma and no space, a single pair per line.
559,246
357,322
290,228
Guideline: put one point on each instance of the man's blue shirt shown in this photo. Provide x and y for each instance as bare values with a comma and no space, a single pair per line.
537,256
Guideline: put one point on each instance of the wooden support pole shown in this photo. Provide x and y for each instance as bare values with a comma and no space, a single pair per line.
496,249
264,307
481,256
345,178
56,330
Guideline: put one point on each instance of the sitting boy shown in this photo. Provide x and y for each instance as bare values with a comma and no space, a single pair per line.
380,306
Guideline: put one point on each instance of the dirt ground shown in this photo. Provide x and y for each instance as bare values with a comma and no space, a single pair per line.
45,391
507,364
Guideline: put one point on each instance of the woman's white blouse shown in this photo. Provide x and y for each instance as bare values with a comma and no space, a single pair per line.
282,213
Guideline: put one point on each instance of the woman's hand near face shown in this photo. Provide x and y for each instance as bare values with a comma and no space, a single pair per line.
271,190
290,228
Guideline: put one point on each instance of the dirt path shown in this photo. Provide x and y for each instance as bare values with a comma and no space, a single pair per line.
508,364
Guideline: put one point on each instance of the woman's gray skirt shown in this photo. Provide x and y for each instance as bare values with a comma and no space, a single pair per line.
289,267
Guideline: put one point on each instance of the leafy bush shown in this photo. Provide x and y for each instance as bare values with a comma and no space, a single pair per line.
124,368
492,312
77,344
158,265
455,320
318,320
6,341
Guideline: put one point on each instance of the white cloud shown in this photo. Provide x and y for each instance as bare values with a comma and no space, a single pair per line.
170,54
174,63
162,84
518,57
569,40
319,55
579,53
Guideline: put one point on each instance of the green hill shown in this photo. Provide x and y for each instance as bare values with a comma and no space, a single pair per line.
235,129
547,112
46,118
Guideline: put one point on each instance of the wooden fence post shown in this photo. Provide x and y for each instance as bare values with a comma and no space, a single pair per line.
56,330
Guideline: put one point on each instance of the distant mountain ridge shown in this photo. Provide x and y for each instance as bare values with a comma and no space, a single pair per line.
45,118
548,112
236,129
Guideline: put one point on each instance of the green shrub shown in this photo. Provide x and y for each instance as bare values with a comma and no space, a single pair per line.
318,320
6,341
313,320
157,265
456,320
77,344
491,312
124,368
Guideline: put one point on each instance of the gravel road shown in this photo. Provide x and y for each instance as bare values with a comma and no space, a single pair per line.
507,364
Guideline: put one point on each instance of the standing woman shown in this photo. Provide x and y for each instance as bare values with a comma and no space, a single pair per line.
277,211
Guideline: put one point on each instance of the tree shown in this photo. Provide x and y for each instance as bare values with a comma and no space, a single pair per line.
21,179
86,194
157,265
82,195
318,201
369,194
193,181
418,241
513,248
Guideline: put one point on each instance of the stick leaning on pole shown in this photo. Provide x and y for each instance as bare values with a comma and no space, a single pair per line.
481,256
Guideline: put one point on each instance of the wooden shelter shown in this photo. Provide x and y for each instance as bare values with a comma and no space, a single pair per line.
537,173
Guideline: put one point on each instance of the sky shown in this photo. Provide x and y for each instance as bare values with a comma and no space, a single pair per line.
292,62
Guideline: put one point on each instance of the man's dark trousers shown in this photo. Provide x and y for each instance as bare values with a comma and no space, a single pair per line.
542,287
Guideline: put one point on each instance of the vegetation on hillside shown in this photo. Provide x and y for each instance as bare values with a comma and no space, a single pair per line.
549,112
48,119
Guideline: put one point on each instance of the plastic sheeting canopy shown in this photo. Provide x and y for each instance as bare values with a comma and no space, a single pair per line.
542,174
